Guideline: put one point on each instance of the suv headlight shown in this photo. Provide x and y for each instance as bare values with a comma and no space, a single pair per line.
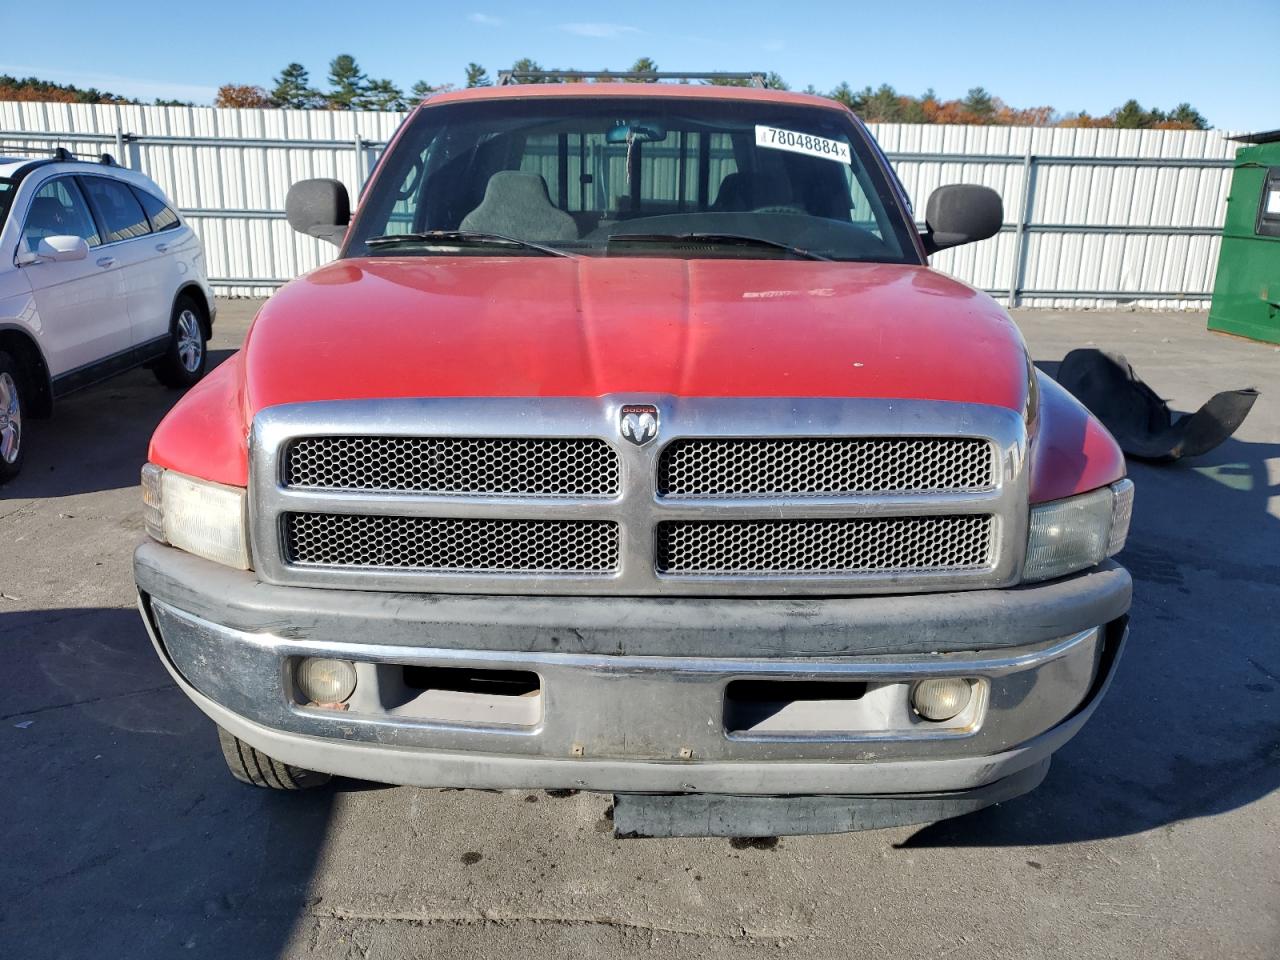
207,519
1078,532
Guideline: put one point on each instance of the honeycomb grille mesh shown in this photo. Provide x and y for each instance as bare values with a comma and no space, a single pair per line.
823,467
817,547
452,545
456,466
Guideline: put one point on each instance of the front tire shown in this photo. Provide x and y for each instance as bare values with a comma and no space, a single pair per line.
187,356
12,448
250,765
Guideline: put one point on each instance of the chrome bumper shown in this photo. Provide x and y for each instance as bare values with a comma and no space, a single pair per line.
623,722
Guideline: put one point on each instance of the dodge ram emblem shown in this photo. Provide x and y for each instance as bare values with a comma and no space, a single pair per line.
638,422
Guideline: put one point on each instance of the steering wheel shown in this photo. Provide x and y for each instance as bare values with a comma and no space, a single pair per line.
779,208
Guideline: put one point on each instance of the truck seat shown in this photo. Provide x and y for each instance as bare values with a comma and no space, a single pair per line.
516,204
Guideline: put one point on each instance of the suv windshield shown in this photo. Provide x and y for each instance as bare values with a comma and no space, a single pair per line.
632,176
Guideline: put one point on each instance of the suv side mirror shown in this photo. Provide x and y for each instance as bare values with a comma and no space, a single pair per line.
961,213
319,208
55,249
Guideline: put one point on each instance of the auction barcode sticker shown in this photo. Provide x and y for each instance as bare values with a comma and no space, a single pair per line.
778,139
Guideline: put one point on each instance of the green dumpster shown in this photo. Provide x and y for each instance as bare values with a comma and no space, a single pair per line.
1246,293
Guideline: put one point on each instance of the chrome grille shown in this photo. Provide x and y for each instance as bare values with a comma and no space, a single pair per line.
451,545
824,466
456,466
830,547
544,495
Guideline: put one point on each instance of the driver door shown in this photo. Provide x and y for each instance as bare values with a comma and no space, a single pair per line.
84,316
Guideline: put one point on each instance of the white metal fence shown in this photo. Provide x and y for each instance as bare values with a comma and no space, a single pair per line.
1093,217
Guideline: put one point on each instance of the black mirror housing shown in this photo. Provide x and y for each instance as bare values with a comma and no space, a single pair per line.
961,213
319,208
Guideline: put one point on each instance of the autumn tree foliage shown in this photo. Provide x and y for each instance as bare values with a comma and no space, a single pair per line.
33,89
350,88
242,95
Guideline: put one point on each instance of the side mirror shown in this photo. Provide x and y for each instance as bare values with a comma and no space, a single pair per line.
56,249
319,208
961,213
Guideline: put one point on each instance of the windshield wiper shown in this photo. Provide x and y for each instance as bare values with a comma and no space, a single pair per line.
473,237
728,239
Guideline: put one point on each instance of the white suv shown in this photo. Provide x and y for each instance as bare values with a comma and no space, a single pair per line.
98,273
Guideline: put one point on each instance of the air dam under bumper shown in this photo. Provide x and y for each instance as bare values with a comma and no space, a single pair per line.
613,708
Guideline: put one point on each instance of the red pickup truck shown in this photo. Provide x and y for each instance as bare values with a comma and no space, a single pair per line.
631,445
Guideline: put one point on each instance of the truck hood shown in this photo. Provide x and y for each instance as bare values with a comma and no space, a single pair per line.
534,326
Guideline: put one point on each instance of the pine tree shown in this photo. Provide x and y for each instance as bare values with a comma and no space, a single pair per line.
981,104
1188,116
526,63
1131,116
477,76
293,89
883,106
644,65
347,80
380,95
844,94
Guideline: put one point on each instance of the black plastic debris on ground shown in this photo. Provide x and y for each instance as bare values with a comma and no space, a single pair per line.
1141,421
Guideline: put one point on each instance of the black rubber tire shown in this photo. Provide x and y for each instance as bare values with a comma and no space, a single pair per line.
10,468
252,766
170,369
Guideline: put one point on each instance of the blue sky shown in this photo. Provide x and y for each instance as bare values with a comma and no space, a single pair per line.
1085,55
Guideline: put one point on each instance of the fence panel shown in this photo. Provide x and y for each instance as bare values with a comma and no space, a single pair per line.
1094,217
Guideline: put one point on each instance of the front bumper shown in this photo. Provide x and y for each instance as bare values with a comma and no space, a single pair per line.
637,695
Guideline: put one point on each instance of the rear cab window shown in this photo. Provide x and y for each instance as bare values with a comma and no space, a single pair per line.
118,209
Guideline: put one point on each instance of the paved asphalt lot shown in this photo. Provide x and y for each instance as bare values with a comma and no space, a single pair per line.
1154,836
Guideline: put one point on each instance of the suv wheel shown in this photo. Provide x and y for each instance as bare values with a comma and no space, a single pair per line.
250,765
187,357
11,448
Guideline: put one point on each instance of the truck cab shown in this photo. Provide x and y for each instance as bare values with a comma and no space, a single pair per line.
630,444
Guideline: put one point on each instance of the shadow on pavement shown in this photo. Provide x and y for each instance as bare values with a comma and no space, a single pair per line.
125,835
97,438
1191,725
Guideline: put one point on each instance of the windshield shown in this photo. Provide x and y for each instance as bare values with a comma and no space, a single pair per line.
633,176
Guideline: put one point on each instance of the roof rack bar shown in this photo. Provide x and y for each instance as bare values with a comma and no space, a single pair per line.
507,77
63,155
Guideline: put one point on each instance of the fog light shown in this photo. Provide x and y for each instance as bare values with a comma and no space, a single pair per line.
941,699
326,681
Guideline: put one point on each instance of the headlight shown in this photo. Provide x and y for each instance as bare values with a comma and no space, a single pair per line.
1078,532
203,518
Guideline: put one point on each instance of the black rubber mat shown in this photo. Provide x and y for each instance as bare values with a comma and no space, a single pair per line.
1140,420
